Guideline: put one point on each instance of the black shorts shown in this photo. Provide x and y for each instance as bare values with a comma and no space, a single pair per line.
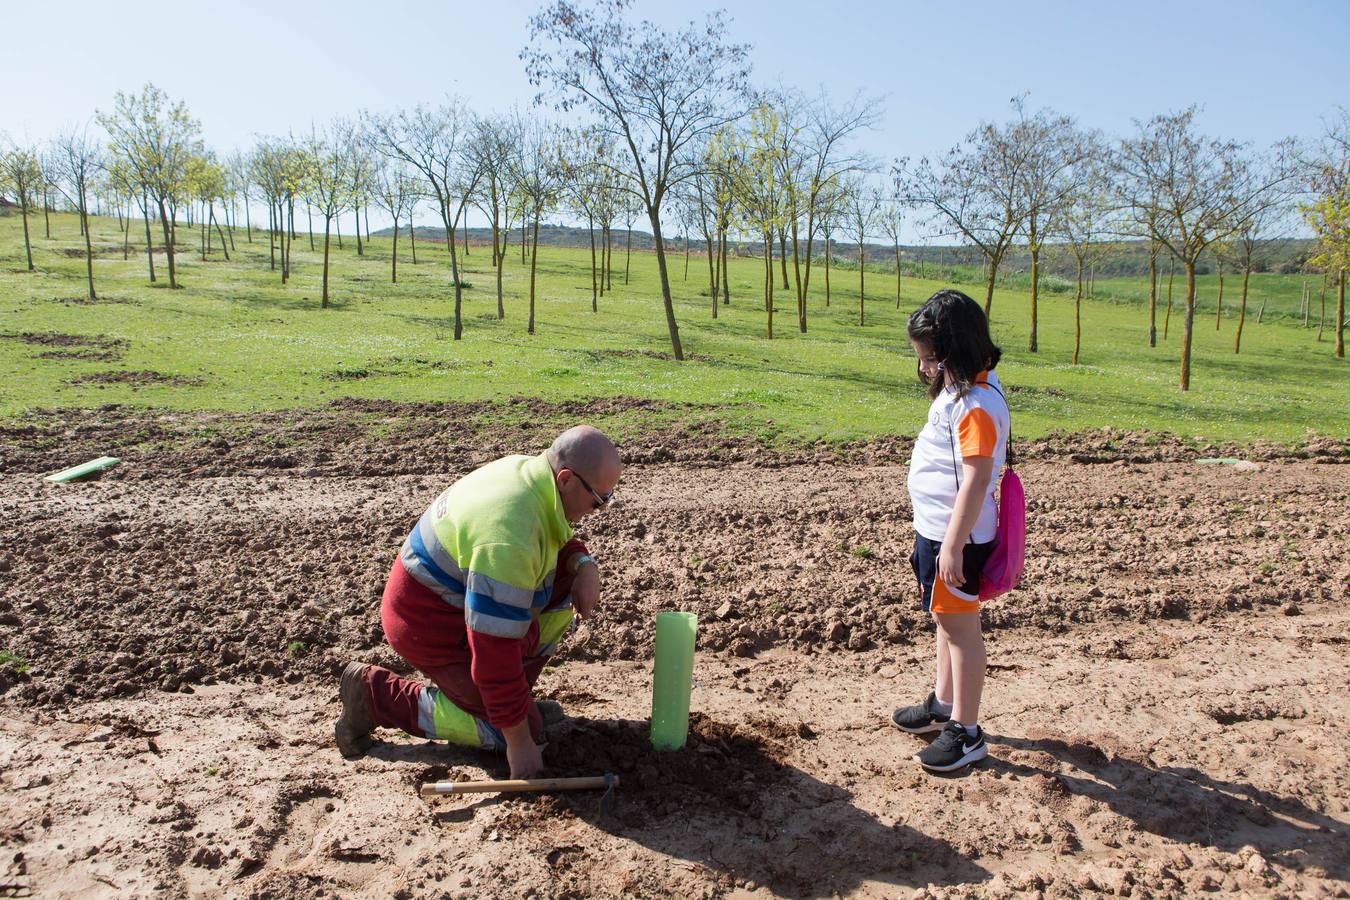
924,560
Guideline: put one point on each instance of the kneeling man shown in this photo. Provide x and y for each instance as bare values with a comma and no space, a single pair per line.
481,591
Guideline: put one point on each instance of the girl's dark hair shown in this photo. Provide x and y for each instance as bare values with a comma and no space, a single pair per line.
955,327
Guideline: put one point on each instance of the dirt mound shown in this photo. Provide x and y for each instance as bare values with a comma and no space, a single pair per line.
123,376
57,339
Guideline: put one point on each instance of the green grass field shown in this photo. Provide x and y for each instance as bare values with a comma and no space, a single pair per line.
235,339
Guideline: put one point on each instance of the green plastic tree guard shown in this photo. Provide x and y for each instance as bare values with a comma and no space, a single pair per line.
673,678
84,470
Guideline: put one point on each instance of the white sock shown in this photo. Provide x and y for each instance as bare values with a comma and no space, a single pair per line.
939,706
971,730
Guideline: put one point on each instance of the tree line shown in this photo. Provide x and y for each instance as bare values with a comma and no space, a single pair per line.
666,125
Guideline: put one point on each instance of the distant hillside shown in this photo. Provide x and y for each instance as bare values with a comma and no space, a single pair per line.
1125,258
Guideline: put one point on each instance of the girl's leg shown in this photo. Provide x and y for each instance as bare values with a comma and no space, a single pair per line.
943,686
965,646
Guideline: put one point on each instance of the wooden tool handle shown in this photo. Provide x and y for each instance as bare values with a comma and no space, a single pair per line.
586,783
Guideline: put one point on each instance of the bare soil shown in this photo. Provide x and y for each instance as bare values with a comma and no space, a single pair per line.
1166,702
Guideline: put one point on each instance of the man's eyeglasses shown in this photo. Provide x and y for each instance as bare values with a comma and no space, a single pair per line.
599,500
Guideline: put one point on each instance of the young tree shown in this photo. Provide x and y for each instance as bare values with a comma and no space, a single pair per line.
976,192
891,221
1327,179
826,129
756,167
1247,245
1082,221
657,93
581,177
331,182
436,143
80,159
537,176
495,142
394,193
21,173
1051,150
859,212
154,138
1208,187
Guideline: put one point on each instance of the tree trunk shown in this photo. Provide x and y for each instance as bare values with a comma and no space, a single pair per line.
337,226
862,269
726,273
524,244
501,265
671,325
412,239
454,270
309,224
149,244
1218,304
768,281
1261,313
393,266
628,257
47,213
1242,312
827,270
686,254
27,246
991,270
88,246
272,232
360,246
782,254
1340,314
534,257
1167,316
1077,313
202,232
595,287
223,249
248,221
712,274
466,238
897,276
797,276
168,245
1153,295
1032,344
1189,327
327,221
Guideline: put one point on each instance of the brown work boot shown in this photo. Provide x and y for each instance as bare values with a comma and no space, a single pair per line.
353,728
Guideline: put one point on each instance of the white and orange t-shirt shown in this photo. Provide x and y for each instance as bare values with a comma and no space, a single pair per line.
970,426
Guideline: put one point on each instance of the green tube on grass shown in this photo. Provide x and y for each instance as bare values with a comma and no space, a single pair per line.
672,679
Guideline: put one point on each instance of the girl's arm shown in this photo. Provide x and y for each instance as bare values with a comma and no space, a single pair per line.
976,471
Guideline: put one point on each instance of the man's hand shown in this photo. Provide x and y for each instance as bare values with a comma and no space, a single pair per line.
522,753
586,589
951,564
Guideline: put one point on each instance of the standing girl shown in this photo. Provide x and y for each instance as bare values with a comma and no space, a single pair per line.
952,475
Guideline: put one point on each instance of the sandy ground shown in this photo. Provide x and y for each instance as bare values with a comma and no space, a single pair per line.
1166,703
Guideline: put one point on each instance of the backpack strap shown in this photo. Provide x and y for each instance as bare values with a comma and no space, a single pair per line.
951,439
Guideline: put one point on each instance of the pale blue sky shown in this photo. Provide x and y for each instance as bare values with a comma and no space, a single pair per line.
1261,71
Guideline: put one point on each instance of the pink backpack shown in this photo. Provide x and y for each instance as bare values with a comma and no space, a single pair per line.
1003,569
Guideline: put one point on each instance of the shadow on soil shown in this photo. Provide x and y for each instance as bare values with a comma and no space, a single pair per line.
1184,804
727,802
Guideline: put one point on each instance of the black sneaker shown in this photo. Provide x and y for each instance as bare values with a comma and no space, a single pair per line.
953,749
920,718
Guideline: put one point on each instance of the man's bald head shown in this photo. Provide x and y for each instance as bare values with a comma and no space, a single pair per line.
583,449
586,452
